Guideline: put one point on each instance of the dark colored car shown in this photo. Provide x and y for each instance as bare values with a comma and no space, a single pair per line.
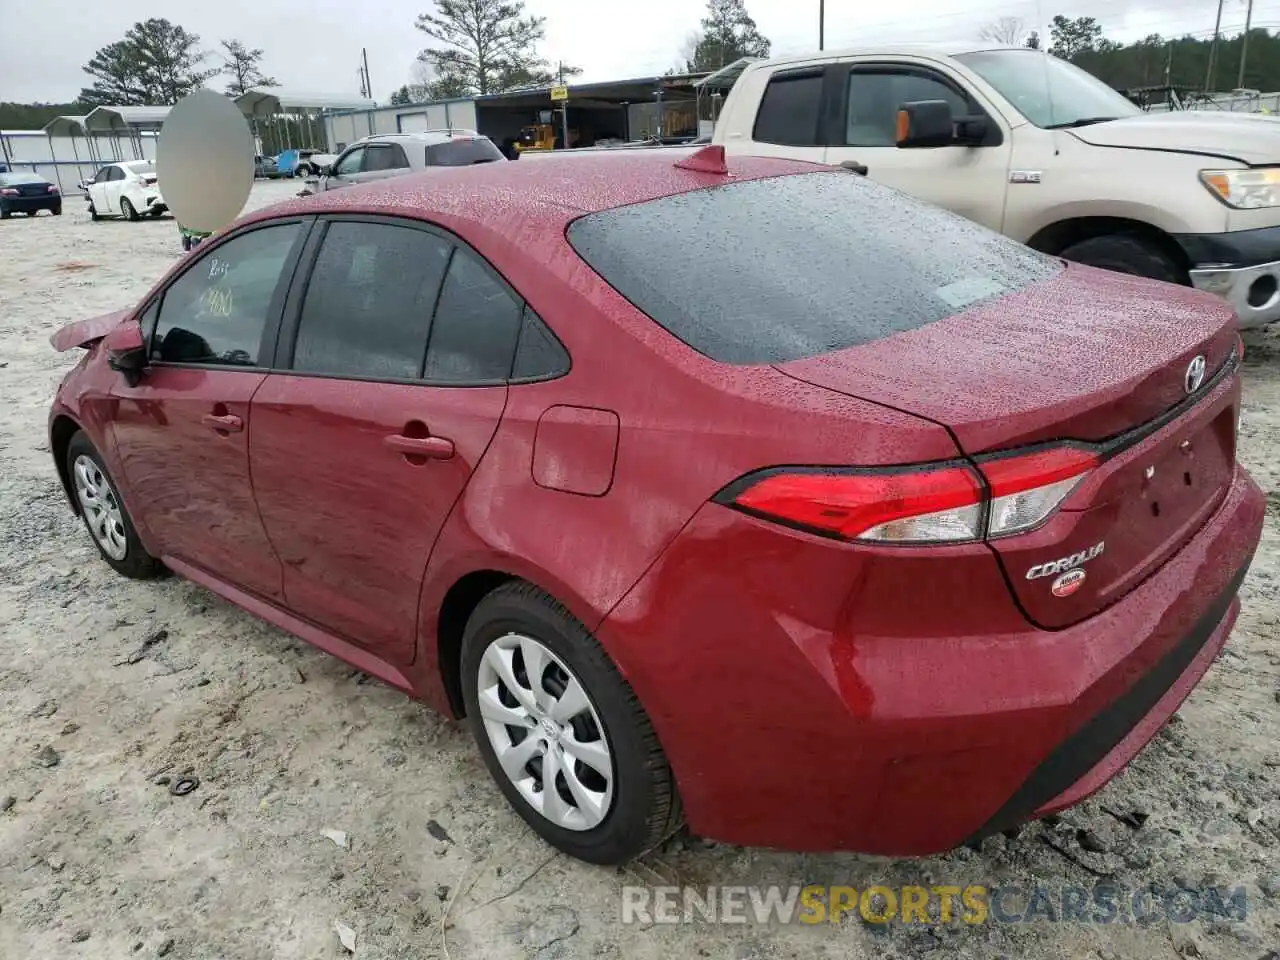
265,168
28,193
757,493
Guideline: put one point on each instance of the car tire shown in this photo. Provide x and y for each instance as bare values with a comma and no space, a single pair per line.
1126,253
639,805
57,211
93,213
126,208
109,525
5,214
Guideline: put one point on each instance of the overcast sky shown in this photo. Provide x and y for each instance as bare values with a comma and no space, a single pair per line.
314,45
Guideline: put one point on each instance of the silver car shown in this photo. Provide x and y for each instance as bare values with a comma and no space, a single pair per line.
394,154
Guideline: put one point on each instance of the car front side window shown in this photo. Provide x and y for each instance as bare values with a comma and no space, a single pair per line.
215,312
350,163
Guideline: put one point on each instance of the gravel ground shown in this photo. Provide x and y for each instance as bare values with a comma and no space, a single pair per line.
124,683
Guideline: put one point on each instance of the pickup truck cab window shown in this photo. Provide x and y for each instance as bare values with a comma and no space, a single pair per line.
876,93
791,109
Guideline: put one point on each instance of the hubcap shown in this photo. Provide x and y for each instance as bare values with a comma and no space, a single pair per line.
101,507
545,732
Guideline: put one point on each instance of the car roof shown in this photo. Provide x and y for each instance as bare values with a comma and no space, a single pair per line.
508,198
935,50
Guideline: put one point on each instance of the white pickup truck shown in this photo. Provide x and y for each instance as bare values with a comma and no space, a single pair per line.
1037,149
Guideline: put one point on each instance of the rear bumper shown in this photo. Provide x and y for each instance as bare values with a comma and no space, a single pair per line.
31,204
799,720
1242,266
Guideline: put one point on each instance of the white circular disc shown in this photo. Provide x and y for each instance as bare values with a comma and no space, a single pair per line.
204,161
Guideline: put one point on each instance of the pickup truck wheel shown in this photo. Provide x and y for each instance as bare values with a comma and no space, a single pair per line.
1125,253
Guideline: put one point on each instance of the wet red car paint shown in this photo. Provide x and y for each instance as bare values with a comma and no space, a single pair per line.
810,692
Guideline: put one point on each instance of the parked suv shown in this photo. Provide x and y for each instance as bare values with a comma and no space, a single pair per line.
390,155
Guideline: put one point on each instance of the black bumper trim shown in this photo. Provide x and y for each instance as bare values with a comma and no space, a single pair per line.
1084,749
1240,248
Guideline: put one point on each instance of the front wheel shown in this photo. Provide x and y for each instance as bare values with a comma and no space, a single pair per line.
1126,253
104,513
126,208
562,732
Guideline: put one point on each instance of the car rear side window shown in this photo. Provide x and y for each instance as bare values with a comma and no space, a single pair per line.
477,322
215,312
767,271
463,153
539,355
368,304
790,110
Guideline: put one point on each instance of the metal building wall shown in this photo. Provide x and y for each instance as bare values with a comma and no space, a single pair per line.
68,160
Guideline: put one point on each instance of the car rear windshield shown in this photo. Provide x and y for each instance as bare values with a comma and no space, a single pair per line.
462,153
7,179
767,271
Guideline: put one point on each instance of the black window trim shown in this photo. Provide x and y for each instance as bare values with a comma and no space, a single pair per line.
396,150
269,344
995,133
286,341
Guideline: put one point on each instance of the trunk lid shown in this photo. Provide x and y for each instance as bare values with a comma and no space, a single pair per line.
1087,356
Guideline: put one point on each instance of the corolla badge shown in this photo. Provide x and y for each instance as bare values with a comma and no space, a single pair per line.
1064,564
1194,376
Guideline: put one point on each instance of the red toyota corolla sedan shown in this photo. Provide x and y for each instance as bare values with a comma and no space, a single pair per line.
760,495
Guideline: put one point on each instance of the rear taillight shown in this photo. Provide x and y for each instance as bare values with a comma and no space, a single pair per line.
8,192
1026,488
933,503
52,188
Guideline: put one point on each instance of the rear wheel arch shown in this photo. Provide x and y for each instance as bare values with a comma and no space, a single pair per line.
1059,237
460,601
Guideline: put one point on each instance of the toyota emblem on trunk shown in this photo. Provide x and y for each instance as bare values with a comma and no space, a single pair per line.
1194,375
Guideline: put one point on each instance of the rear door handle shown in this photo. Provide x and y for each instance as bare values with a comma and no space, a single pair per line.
226,423
433,448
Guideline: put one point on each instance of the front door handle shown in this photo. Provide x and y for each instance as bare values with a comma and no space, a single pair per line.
224,423
432,448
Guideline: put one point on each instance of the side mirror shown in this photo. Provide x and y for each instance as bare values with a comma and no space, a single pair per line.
127,351
331,170
926,123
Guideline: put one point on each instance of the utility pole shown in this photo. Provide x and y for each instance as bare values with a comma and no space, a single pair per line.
368,84
1244,44
1168,65
1210,79
564,111
822,24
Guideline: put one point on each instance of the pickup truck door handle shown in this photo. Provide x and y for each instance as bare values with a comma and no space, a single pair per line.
855,166
225,423
432,448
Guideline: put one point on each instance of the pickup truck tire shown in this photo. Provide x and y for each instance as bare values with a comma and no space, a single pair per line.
1126,253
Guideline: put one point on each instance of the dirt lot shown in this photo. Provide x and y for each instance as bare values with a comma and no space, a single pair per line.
127,682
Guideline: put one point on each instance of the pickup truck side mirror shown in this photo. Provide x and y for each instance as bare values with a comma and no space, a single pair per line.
926,123
127,351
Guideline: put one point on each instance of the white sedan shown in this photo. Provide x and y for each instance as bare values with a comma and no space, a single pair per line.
126,190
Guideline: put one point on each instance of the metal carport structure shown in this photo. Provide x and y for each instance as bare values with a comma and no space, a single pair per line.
270,108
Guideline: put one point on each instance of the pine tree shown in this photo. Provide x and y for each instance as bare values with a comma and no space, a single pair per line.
728,34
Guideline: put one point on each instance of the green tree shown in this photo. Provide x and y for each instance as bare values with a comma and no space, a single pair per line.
33,116
728,34
1033,40
157,62
485,46
1070,38
243,66
401,97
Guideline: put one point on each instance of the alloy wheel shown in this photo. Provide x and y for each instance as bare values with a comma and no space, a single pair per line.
101,506
545,732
